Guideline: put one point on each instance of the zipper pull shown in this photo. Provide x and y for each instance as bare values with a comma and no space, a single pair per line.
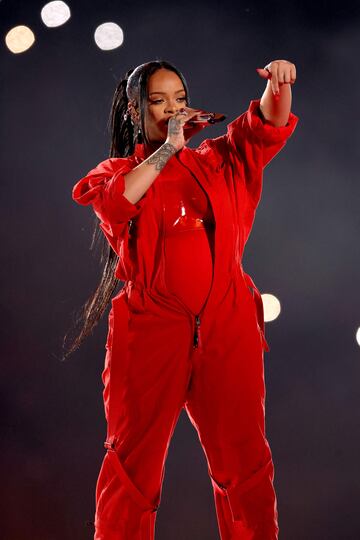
197,336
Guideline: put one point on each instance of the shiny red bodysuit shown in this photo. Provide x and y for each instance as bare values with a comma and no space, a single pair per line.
186,331
188,241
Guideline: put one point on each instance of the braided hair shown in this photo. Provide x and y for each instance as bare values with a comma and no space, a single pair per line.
124,136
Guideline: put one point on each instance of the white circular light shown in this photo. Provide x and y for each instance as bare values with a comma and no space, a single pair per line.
108,36
272,307
19,39
55,14
358,336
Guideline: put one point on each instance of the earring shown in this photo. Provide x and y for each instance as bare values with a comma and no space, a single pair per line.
125,116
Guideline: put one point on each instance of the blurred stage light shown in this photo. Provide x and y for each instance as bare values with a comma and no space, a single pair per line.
19,39
272,307
358,336
55,14
108,36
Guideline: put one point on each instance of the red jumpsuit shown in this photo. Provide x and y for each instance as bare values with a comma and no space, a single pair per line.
186,330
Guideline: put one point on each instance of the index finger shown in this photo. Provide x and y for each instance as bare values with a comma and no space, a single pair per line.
191,111
275,79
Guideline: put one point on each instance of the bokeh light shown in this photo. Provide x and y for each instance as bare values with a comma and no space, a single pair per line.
358,336
19,39
108,36
272,307
55,14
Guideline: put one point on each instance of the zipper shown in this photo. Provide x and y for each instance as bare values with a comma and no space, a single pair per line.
197,335
197,342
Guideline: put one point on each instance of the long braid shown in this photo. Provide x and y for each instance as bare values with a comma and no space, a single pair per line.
123,139
122,142
122,145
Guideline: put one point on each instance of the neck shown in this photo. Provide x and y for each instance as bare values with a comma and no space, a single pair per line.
151,147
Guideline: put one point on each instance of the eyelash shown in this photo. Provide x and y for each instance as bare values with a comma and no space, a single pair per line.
156,101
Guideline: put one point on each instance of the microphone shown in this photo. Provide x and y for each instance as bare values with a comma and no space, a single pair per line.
204,117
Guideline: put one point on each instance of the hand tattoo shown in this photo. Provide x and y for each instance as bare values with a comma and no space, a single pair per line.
161,156
174,126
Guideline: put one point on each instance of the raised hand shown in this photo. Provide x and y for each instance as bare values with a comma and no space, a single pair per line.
177,136
279,72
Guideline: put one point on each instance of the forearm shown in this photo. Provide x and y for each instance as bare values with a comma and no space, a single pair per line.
276,110
138,181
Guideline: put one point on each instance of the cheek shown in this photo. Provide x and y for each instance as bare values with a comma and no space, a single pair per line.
154,124
154,121
153,115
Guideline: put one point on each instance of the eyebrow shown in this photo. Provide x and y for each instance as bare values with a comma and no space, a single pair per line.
164,93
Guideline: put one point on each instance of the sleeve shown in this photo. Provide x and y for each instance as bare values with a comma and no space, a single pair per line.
250,132
103,188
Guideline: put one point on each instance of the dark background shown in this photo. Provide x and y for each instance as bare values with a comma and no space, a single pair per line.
304,248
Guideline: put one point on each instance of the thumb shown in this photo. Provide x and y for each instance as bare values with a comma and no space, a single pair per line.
263,73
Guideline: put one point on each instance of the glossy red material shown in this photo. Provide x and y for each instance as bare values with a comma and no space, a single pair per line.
188,236
186,331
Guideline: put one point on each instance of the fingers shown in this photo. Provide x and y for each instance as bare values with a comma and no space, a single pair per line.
181,117
279,72
275,79
190,112
185,114
264,73
293,73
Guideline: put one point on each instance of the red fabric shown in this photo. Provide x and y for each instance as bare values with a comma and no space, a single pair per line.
230,169
188,237
164,353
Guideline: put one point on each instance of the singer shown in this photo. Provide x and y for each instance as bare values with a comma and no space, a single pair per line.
186,329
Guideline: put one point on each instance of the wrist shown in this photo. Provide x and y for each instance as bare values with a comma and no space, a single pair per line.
171,147
162,156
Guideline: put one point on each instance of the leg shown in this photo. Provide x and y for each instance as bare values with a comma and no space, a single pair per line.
146,387
225,402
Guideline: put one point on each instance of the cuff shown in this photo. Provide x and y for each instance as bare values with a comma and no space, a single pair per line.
264,130
116,199
103,188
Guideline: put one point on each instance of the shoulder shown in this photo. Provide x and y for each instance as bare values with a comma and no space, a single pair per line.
113,165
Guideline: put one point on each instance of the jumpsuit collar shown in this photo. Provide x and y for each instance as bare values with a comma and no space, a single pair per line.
139,151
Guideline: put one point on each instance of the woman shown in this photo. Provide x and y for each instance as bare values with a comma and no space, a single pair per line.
187,329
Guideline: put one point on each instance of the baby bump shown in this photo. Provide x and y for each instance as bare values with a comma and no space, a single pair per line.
189,265
188,226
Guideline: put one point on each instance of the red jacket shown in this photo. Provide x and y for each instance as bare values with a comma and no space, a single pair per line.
230,170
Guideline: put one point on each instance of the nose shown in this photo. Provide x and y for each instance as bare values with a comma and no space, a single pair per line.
172,107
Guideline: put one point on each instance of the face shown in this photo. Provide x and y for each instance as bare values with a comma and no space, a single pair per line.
166,95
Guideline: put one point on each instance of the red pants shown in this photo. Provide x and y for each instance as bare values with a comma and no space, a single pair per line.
154,367
221,386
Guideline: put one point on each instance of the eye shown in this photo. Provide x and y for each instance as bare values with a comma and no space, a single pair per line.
182,98
155,101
